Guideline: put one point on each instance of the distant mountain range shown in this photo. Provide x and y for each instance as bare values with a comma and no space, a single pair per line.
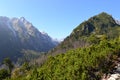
17,34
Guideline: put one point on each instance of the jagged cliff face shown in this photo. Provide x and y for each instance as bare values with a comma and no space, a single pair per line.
17,34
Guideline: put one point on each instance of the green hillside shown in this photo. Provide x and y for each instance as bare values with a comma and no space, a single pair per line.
88,63
82,64
89,32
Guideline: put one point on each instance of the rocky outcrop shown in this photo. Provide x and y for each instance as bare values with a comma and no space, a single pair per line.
115,72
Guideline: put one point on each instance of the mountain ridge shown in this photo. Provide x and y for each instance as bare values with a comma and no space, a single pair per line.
98,26
18,33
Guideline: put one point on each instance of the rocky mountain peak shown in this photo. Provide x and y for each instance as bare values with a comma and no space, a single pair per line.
97,26
17,34
22,19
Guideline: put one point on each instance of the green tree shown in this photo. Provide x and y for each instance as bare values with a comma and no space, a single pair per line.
3,74
25,66
8,63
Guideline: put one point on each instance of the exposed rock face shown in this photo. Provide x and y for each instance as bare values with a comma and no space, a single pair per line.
112,77
117,21
17,34
115,73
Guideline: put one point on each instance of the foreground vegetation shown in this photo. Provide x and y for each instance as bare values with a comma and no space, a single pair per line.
88,63
81,64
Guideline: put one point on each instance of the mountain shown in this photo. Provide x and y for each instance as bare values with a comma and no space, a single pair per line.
17,34
91,52
89,32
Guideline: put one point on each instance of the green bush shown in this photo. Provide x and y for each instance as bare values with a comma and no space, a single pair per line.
4,74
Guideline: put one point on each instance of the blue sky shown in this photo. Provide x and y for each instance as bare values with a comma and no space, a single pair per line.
58,17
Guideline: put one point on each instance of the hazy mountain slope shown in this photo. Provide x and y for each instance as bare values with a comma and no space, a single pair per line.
17,34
